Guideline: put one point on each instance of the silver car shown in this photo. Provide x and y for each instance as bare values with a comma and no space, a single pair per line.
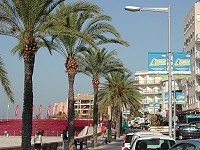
192,144
152,142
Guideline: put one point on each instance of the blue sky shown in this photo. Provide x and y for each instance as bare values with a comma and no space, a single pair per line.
145,32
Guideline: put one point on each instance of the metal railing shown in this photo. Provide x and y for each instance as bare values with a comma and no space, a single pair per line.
18,133
151,91
148,82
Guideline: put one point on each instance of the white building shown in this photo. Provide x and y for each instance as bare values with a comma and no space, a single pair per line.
192,45
153,89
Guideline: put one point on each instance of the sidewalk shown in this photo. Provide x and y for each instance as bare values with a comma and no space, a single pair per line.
13,141
102,144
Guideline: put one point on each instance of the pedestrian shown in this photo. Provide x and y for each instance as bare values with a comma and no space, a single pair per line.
124,127
38,141
65,139
103,129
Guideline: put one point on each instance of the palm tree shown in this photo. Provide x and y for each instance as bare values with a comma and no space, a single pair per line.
95,64
71,17
26,20
119,91
5,81
85,20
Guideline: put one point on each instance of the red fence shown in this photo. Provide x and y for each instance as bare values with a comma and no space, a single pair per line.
51,127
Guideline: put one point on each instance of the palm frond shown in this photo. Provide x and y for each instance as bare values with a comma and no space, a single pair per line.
5,81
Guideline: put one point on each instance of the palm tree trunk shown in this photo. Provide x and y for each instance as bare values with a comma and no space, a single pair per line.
109,131
27,114
118,122
95,114
71,115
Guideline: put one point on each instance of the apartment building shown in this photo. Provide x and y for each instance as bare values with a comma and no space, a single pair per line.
150,89
153,89
83,106
192,44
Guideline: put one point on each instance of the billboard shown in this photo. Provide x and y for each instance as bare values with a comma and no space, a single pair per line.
180,97
157,63
181,63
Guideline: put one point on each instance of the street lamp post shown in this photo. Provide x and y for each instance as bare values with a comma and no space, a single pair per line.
165,10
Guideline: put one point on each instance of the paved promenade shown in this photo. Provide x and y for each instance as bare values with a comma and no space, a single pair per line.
13,141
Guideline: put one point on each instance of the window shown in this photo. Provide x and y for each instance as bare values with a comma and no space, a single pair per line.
184,146
198,17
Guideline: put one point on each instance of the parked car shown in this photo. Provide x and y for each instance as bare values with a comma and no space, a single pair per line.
196,123
143,133
127,140
192,144
151,142
133,134
187,131
179,125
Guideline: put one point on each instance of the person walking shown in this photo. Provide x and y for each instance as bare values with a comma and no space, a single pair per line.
103,129
38,141
124,127
65,139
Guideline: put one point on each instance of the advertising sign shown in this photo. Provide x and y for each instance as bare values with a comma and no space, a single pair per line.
156,105
157,63
180,97
181,63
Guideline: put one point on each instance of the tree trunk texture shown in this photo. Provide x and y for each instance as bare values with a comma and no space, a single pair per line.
27,113
118,122
109,130
95,115
71,114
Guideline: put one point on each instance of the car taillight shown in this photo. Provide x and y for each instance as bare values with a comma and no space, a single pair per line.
123,144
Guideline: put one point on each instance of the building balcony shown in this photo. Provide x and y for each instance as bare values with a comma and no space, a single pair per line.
147,82
197,55
146,102
197,88
151,92
197,72
197,37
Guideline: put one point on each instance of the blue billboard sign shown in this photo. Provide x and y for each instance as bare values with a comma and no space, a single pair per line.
181,63
157,63
156,105
180,97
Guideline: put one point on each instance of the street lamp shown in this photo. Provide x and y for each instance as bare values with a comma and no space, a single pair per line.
165,10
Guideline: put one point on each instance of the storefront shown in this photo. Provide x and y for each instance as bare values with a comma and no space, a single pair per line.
189,115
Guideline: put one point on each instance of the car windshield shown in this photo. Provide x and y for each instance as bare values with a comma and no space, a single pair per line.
154,144
128,139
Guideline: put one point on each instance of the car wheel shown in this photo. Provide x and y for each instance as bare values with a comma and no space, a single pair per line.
180,137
